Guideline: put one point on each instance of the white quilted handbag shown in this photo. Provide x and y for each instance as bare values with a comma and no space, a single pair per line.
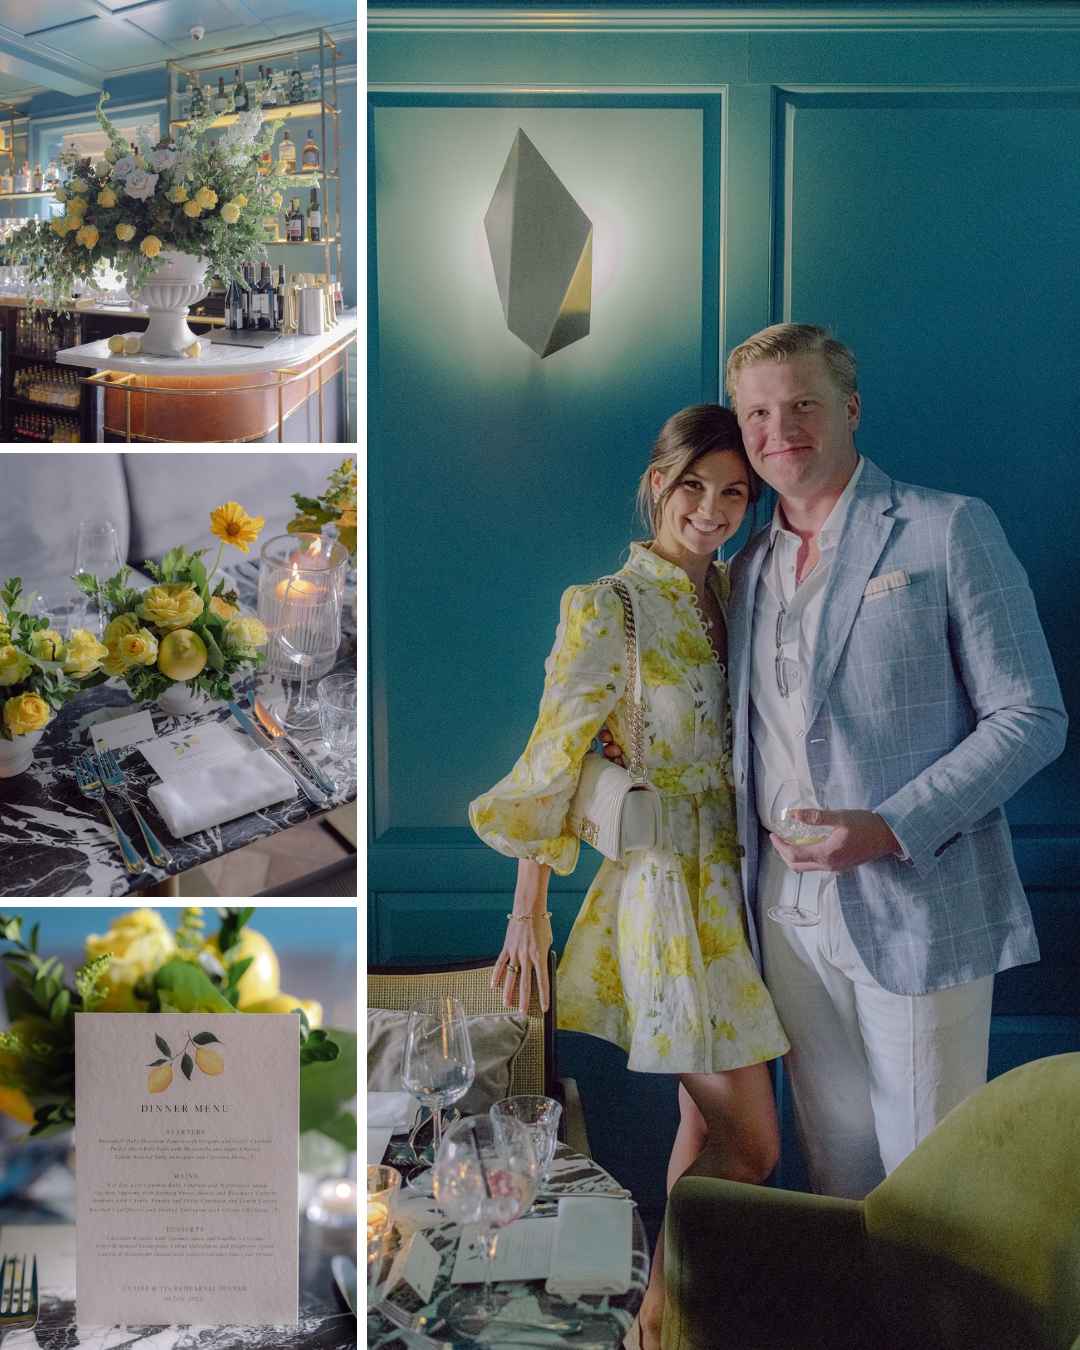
618,810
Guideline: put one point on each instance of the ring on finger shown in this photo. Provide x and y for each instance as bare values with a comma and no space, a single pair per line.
516,969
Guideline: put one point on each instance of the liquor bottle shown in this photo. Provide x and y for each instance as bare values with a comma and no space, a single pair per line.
310,152
315,87
7,183
38,181
196,97
314,218
265,159
287,151
270,97
208,100
221,99
52,173
280,295
294,224
22,178
268,309
296,82
240,94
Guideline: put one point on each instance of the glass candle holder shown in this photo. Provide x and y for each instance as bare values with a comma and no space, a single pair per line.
299,557
334,1205
383,1184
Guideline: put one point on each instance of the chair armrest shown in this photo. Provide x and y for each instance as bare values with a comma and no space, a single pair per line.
753,1268
573,1117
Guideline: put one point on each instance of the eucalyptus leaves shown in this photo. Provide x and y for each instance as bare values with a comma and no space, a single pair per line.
209,1061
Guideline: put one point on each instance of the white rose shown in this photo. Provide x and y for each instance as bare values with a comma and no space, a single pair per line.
123,168
141,184
162,159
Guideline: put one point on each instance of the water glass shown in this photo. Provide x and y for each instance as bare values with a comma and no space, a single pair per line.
64,607
540,1116
97,552
337,713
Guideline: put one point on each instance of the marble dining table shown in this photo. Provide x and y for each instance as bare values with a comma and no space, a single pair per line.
56,842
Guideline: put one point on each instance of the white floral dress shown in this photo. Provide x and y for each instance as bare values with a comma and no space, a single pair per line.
658,959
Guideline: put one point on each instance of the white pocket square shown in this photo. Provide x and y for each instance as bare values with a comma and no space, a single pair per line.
876,587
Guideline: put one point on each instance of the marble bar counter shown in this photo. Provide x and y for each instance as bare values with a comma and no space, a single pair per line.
295,389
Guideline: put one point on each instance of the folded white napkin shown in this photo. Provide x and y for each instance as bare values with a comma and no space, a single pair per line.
378,1141
395,1109
593,1247
221,792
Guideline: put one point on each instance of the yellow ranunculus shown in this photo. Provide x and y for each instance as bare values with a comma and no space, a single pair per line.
45,643
242,632
77,206
87,236
14,665
25,713
240,199
206,198
82,654
177,194
106,197
172,606
125,232
140,943
222,608
151,245
114,663
230,213
139,649
232,524
192,209
285,1003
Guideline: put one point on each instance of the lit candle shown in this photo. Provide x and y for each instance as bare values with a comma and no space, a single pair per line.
339,1197
301,592
377,1217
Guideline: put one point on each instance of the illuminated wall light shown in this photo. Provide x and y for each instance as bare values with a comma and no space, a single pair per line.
541,249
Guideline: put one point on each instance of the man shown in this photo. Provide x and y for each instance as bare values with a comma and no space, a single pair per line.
884,647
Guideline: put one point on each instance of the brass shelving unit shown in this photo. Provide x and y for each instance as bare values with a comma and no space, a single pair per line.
224,60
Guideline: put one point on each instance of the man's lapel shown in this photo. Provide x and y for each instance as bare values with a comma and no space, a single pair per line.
862,539
740,625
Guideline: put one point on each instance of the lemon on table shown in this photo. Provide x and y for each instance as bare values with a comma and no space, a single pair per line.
116,343
262,979
181,655
132,345
193,350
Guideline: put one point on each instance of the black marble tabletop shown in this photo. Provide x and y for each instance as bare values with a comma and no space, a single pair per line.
56,842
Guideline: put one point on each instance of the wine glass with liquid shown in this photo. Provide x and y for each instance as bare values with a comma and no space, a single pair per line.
797,794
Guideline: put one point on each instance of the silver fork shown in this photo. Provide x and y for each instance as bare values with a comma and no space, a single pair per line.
113,778
90,786
18,1308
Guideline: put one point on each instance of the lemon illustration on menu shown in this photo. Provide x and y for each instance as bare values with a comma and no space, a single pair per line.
209,1061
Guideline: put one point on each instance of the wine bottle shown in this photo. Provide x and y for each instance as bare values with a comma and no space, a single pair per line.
311,152
196,109
270,97
314,218
268,312
240,95
249,310
287,151
280,295
221,99
294,224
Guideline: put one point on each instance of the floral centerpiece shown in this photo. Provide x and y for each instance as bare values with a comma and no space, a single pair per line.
140,965
336,507
39,673
176,632
170,206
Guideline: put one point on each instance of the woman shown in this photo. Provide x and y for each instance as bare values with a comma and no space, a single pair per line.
658,960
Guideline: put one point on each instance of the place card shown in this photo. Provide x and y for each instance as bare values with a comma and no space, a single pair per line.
202,747
116,732
523,1252
186,1186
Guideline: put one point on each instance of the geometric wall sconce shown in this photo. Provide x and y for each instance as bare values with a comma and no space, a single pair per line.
541,248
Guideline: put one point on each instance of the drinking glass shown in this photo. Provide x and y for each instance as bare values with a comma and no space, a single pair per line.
437,1066
97,552
337,713
485,1174
383,1184
65,608
308,628
540,1116
797,794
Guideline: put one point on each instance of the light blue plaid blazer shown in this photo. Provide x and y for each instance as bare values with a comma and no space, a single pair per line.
930,702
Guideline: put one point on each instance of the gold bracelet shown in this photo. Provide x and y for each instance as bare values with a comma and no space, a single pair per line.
524,918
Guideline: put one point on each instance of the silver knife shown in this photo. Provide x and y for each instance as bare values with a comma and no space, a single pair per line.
277,732
262,739
345,1275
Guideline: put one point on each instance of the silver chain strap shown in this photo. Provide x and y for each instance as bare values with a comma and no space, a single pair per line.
636,705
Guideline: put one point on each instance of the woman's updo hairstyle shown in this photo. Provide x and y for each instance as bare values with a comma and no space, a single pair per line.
687,437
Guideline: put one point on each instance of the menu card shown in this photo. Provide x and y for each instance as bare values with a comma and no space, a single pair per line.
186,1185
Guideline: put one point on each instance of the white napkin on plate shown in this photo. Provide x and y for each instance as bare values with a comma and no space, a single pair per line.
593,1247
396,1110
221,792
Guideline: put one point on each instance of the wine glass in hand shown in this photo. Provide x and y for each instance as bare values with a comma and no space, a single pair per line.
437,1065
486,1174
796,794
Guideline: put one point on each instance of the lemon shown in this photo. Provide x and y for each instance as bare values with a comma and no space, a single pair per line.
209,1060
182,654
262,979
160,1078
116,343
132,345
285,1003
193,350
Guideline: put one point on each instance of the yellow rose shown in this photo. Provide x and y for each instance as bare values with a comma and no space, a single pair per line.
112,155
192,209
102,168
73,222
230,213
206,198
106,197
222,608
77,206
26,713
61,194
45,643
125,232
81,654
276,198
233,525
140,943
57,225
87,236
172,606
78,185
14,665
138,649
240,199
177,194
242,632
151,245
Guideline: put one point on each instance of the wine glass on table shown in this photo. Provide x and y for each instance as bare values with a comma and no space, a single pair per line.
797,794
486,1174
437,1066
308,629
97,552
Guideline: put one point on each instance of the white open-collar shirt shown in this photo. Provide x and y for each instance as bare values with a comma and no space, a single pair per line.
778,724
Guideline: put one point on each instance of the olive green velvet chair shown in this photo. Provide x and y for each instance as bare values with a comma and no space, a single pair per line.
973,1242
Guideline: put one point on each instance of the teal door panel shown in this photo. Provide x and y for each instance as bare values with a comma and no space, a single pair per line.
414,927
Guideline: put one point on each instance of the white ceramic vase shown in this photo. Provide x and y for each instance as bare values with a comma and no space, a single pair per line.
167,293
16,754
178,699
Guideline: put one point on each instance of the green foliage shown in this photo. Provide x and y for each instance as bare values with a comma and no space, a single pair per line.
315,512
326,1086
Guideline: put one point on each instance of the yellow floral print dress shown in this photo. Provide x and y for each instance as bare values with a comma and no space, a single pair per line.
658,960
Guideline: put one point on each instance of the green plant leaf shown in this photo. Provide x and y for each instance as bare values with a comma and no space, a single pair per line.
342,1129
163,1045
60,1006
186,1065
205,1038
156,1062
213,651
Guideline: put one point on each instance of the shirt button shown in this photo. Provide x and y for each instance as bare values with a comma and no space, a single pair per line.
793,674
791,569
799,732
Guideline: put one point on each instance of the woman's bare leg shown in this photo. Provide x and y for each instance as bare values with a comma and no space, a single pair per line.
740,1142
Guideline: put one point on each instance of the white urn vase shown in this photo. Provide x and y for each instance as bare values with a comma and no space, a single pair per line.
178,699
16,754
167,293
